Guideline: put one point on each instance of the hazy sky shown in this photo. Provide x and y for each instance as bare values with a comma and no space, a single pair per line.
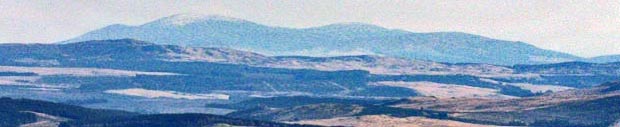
580,27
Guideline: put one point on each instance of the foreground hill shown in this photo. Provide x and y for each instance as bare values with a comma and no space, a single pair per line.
335,39
16,112
597,106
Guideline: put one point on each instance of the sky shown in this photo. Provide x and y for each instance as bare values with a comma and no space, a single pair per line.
580,27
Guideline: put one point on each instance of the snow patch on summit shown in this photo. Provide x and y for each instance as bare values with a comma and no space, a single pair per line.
184,19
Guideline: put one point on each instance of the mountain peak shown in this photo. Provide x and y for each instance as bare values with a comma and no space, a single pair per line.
184,19
355,26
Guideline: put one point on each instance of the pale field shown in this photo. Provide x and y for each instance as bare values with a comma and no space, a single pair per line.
541,88
44,120
532,87
387,121
440,90
166,94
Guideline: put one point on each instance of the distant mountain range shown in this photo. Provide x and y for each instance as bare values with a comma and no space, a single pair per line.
332,40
